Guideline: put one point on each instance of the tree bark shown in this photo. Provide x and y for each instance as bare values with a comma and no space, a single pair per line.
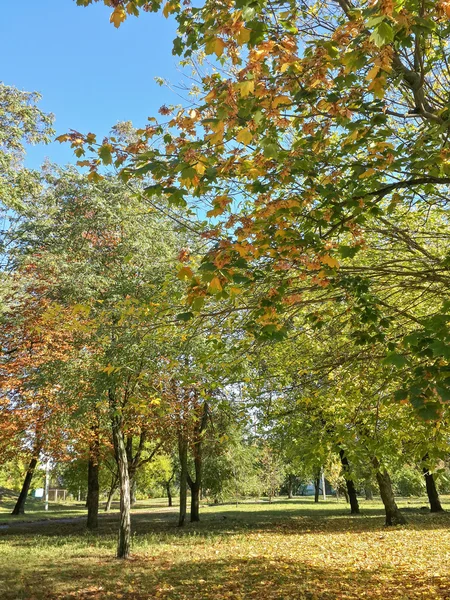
124,541
195,485
368,491
169,493
112,490
432,493
352,495
290,486
182,451
393,514
93,485
317,487
19,508
195,500
133,488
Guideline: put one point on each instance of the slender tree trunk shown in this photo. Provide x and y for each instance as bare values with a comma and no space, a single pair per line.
169,493
290,486
112,491
19,508
352,495
196,485
133,488
393,514
93,485
317,487
182,450
368,491
124,541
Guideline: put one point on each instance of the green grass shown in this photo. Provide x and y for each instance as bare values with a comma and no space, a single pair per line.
288,549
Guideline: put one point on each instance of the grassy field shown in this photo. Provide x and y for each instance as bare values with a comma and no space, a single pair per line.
289,549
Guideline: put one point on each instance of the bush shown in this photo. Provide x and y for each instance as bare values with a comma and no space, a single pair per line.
408,481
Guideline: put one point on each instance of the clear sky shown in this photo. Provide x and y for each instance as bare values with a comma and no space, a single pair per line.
90,74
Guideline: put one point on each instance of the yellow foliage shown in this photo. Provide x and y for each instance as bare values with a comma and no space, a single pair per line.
244,136
118,16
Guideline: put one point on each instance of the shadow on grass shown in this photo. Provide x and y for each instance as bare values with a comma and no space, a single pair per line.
234,579
162,525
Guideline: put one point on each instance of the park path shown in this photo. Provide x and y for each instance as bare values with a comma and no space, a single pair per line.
74,520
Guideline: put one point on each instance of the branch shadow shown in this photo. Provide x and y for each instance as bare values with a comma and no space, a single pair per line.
234,579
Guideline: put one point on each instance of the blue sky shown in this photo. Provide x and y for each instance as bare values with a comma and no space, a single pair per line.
90,74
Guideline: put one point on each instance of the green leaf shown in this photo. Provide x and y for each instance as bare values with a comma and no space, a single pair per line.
383,34
105,154
186,316
398,360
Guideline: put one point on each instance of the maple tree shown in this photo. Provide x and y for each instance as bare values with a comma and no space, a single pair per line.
317,119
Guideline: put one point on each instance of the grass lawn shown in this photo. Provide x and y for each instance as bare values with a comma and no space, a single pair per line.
289,549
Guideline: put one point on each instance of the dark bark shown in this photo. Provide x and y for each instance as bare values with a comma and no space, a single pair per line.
169,493
112,491
317,487
393,514
195,500
93,485
195,485
19,508
169,489
124,541
352,495
432,493
182,451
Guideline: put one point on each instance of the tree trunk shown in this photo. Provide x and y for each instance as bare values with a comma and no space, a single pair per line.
169,493
432,493
124,542
19,508
133,487
368,491
196,485
393,514
93,485
317,487
182,450
112,491
352,495
290,486
195,501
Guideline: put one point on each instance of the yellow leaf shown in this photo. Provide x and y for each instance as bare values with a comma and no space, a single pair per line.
168,8
330,261
118,16
373,73
281,100
200,168
216,46
246,87
367,173
244,136
243,36
185,273
215,212
210,96
214,285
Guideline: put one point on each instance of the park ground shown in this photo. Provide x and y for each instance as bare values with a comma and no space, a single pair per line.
287,549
